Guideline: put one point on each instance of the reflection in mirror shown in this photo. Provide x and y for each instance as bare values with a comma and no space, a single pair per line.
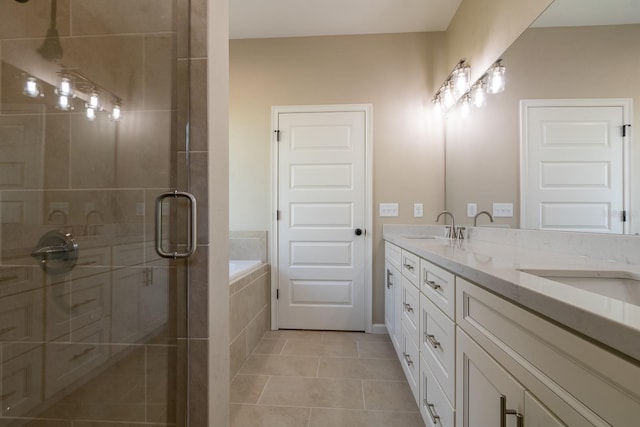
572,53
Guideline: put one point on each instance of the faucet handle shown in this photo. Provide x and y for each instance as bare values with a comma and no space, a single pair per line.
459,233
448,232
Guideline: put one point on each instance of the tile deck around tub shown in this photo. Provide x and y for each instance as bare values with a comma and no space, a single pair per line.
317,379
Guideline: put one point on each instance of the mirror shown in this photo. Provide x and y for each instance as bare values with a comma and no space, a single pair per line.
577,49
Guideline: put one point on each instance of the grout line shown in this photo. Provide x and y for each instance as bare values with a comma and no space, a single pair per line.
364,400
264,388
309,420
318,368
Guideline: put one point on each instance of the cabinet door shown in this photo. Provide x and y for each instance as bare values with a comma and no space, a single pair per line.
481,385
397,313
388,299
538,415
411,310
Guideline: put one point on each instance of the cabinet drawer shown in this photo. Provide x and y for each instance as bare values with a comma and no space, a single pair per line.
438,345
439,285
21,387
15,279
435,408
410,362
21,322
411,267
393,254
411,310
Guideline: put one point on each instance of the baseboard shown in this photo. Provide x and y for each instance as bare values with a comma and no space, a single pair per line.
379,328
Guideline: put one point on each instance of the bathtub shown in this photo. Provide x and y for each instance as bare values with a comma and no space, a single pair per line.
239,268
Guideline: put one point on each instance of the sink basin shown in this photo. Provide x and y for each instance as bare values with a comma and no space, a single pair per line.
621,285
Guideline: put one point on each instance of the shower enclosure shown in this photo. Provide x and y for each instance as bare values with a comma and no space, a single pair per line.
94,109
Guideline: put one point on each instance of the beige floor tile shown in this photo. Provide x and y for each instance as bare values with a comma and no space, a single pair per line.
321,348
288,334
323,417
366,369
247,388
313,392
353,336
388,396
376,350
304,366
269,346
268,416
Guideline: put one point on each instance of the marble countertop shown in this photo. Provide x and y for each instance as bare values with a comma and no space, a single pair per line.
496,267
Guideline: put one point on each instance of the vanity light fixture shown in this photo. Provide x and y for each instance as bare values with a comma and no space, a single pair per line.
461,75
478,94
448,98
116,113
465,106
455,85
437,103
496,78
32,88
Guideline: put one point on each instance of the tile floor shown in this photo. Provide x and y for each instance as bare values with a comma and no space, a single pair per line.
318,379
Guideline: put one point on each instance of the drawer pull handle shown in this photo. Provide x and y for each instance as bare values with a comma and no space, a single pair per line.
80,304
432,340
6,330
432,284
408,307
7,395
389,277
8,278
408,267
83,353
432,412
504,412
407,359
88,263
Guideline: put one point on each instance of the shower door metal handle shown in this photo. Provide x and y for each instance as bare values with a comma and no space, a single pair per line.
191,225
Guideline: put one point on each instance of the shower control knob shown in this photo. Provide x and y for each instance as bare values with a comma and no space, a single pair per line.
358,231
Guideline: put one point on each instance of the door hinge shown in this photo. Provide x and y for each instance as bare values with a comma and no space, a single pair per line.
277,132
624,216
277,293
624,130
278,215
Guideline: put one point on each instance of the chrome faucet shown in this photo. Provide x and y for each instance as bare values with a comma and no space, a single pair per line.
451,233
475,218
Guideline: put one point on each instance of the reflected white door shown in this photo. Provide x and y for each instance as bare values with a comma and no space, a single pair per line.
572,175
321,199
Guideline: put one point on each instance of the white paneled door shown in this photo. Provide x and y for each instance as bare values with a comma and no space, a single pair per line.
321,230
573,166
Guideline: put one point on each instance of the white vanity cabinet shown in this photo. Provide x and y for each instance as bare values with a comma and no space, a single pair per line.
549,375
393,295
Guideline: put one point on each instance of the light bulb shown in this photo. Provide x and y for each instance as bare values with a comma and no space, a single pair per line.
461,80
32,88
64,102
116,113
447,96
496,79
94,101
478,95
465,106
65,87
91,114
437,105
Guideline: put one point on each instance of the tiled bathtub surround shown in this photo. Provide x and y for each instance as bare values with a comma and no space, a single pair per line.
248,245
250,308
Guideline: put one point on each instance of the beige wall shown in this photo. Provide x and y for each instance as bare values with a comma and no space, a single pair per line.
391,72
482,29
583,62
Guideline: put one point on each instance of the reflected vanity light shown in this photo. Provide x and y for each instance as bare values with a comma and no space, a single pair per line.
465,106
94,101
64,103
91,114
32,88
65,86
437,104
116,113
496,78
447,96
478,95
461,76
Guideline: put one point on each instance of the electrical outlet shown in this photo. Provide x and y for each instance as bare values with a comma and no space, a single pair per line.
388,209
472,210
418,210
503,210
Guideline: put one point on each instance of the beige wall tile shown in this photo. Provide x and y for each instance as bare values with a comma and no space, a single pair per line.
322,417
247,388
159,72
281,365
198,120
388,396
199,293
32,19
198,29
269,346
313,392
292,334
161,384
353,336
238,354
269,416
121,16
257,328
239,313
93,149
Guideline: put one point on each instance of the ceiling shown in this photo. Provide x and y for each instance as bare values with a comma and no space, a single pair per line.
298,18
572,13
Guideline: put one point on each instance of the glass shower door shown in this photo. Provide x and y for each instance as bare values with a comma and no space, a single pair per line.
90,315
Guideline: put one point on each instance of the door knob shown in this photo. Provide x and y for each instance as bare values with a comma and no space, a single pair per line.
358,231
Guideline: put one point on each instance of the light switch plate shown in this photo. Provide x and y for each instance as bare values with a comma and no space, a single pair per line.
472,210
418,210
388,209
503,210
